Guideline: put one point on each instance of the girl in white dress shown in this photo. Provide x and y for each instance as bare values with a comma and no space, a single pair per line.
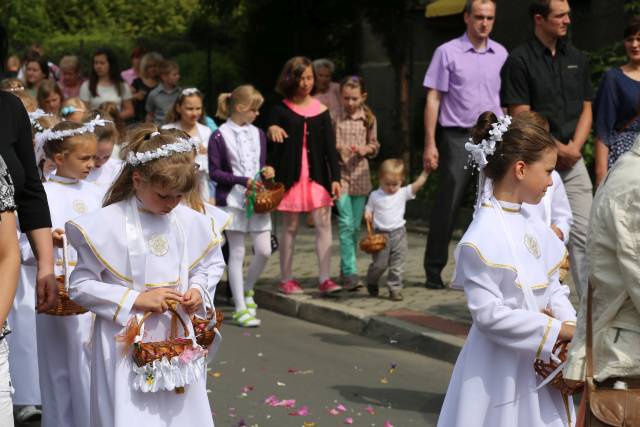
154,251
64,342
237,156
187,115
107,168
507,265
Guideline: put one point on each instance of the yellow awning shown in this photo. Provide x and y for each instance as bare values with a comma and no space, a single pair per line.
444,8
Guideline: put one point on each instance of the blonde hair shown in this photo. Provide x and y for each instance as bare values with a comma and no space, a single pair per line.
70,63
65,145
29,102
176,173
245,95
392,166
45,122
109,131
78,104
193,199
151,57
11,85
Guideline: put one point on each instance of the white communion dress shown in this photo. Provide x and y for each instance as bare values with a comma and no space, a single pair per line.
493,382
180,250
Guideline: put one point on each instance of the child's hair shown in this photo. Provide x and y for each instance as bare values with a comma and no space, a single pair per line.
45,89
193,199
110,110
324,63
64,145
290,75
245,95
356,82
42,63
29,102
535,118
151,57
107,132
114,72
45,122
392,166
73,104
174,116
70,63
176,173
524,140
11,85
168,66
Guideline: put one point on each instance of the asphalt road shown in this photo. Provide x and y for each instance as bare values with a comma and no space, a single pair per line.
335,378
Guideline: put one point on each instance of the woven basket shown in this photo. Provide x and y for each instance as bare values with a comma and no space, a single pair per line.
147,352
204,336
565,267
268,196
65,307
544,369
373,243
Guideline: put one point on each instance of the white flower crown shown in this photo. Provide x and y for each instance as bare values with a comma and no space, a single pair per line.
479,152
33,118
181,146
190,91
51,135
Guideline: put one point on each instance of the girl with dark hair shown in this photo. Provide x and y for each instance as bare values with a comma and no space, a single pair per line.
36,71
508,265
306,161
106,85
617,105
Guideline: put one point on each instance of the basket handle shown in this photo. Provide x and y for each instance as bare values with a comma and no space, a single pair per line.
175,315
65,261
369,228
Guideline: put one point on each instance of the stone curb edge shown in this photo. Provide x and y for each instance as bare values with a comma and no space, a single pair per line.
395,332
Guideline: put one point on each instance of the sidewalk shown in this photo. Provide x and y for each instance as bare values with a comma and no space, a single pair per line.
431,322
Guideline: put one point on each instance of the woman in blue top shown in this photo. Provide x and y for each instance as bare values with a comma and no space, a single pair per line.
617,104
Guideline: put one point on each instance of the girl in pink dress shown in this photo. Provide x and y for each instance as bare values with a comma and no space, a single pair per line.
306,161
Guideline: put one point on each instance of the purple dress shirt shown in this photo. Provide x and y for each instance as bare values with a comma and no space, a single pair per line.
468,79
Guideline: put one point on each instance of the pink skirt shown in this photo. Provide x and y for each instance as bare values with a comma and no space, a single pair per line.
305,196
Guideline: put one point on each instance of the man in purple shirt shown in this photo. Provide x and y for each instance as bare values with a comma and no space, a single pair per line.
463,81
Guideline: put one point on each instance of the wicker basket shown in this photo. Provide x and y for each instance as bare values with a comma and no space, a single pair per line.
544,369
64,306
147,352
373,243
204,336
565,267
268,196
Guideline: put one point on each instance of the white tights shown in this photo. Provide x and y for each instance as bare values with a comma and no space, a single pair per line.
322,223
262,251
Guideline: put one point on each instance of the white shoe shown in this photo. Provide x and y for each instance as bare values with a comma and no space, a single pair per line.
250,303
245,319
28,413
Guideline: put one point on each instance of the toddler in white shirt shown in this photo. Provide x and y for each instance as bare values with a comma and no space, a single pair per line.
385,210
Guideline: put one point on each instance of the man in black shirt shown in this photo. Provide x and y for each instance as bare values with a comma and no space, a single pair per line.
549,75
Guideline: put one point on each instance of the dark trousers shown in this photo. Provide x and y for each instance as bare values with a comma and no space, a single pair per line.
454,178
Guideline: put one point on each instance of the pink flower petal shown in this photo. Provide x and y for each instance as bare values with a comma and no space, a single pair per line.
247,389
341,408
303,411
370,410
334,411
348,420
287,403
388,424
271,399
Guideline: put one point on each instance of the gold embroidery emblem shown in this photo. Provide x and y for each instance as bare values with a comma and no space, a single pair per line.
159,245
532,245
79,206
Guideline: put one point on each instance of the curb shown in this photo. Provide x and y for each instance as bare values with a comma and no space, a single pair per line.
405,335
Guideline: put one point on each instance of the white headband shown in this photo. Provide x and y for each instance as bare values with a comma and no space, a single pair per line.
479,152
181,146
34,116
190,91
51,135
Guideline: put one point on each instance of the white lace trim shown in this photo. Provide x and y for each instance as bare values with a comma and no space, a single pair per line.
164,374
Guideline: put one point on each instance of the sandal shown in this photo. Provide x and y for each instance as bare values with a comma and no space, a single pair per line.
244,319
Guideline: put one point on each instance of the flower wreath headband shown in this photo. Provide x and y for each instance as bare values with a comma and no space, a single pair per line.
51,135
34,116
478,154
182,145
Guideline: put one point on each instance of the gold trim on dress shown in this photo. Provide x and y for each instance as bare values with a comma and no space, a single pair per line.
51,179
486,261
162,285
59,263
544,337
559,264
510,210
97,254
215,242
124,297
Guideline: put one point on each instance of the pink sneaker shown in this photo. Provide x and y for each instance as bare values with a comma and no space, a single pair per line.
329,287
290,287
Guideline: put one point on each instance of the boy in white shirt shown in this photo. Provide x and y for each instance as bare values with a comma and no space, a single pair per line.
385,210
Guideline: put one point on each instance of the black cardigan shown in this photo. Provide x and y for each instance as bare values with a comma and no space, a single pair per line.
286,157
16,147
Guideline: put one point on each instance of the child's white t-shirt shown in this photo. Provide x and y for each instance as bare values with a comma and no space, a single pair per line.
388,209
105,94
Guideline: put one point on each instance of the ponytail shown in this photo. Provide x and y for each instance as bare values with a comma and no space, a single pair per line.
224,110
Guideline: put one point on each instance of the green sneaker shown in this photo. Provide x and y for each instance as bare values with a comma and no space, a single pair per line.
244,319
250,302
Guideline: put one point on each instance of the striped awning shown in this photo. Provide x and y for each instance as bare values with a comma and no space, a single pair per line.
444,8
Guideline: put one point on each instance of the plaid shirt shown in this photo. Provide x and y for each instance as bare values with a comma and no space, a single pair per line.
351,133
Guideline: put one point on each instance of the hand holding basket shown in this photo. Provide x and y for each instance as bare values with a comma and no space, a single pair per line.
264,196
204,327
65,306
545,369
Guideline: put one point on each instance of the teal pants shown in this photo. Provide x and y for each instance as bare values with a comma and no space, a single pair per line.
350,210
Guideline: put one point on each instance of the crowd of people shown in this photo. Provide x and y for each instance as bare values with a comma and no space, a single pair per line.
137,151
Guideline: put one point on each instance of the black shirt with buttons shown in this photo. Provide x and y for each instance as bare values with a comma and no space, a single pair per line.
556,86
